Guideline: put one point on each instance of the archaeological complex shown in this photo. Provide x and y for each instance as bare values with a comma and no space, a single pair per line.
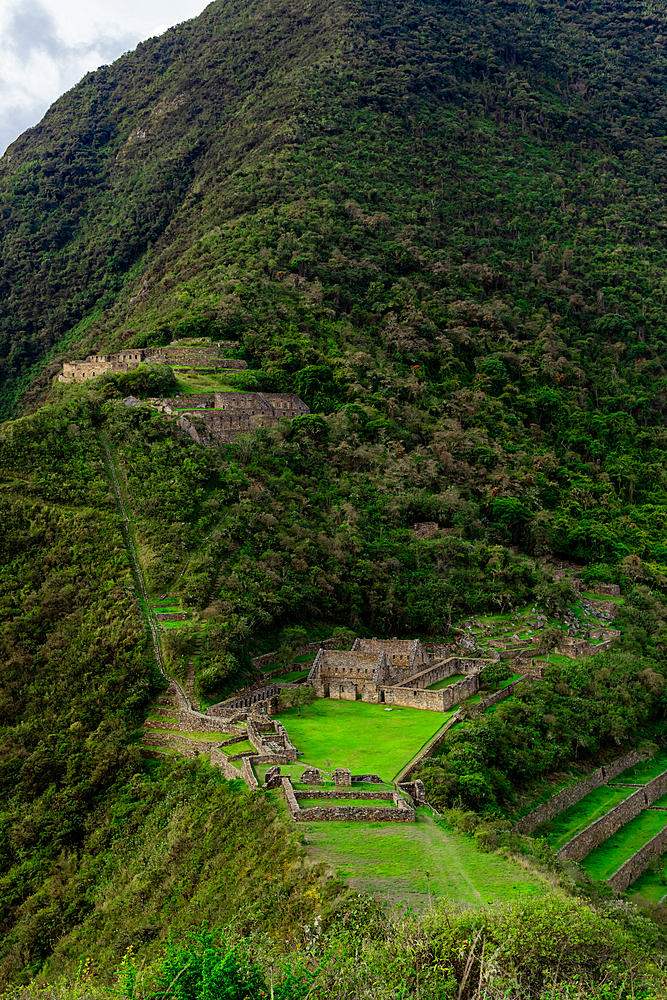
199,354
210,417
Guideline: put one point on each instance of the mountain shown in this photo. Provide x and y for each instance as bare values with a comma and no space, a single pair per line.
443,226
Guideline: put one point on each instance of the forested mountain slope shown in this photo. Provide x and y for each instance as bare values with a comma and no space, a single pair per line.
443,225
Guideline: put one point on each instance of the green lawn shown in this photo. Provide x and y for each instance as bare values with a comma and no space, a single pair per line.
365,738
241,747
311,803
447,681
579,816
401,862
639,774
608,857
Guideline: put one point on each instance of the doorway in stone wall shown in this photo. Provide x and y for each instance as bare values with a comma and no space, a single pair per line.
382,697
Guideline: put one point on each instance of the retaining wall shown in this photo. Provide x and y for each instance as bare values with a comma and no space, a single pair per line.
248,775
569,796
335,793
195,722
433,701
220,759
595,834
630,871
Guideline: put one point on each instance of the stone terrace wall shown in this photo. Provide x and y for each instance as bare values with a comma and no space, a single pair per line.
569,796
198,400
195,722
219,759
335,793
248,775
639,862
595,834
500,695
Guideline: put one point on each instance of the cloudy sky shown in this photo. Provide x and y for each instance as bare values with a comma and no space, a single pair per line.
46,46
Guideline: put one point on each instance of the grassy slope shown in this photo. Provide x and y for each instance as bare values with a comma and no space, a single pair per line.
365,738
391,861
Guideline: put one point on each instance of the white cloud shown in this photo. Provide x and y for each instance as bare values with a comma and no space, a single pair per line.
46,46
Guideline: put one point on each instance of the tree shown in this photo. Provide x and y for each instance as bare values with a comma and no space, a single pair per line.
297,697
497,672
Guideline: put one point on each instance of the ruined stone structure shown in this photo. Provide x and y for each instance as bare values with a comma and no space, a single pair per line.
569,796
218,418
425,529
574,647
399,812
200,354
393,672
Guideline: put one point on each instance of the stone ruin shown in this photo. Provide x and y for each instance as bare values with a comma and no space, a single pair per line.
311,776
225,415
201,354
394,672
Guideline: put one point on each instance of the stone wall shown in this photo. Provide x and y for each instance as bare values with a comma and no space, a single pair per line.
403,652
270,737
444,669
220,759
246,700
608,590
569,796
500,695
574,648
595,834
195,722
171,616
248,775
431,701
198,400
630,871
425,529
335,793
400,812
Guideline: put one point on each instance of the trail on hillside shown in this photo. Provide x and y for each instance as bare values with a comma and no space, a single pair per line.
126,529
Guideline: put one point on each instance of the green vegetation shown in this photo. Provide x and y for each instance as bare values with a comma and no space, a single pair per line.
609,856
365,738
575,819
417,864
640,774
310,803
444,226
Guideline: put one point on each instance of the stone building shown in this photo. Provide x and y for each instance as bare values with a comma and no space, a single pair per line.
201,354
394,672
218,418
